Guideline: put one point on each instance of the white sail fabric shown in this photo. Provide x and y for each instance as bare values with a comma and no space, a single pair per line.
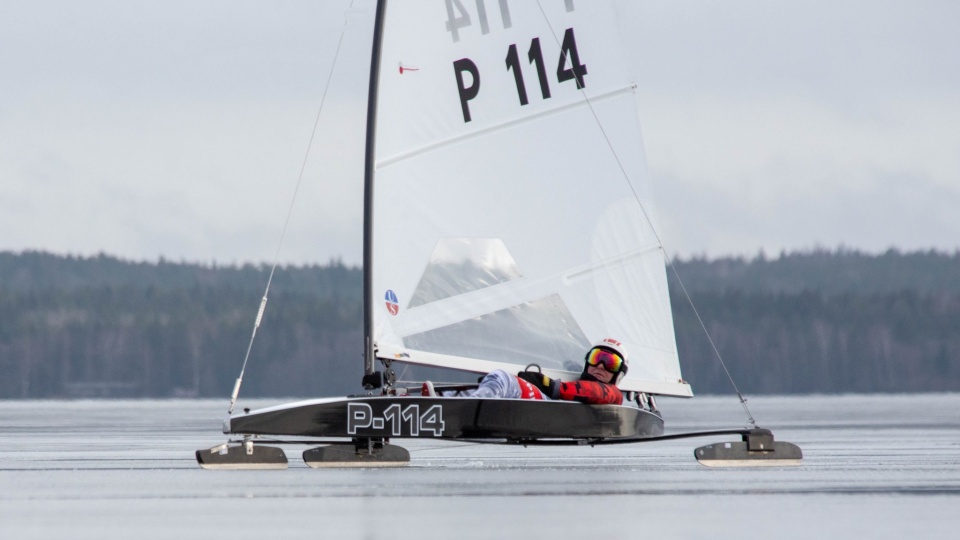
512,222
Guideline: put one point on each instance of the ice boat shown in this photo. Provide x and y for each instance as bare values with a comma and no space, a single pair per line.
508,222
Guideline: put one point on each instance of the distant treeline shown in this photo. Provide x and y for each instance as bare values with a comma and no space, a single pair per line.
100,326
823,321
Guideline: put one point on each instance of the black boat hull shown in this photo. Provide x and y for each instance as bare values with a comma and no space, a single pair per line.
446,418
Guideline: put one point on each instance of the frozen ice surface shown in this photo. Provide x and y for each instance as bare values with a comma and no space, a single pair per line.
874,467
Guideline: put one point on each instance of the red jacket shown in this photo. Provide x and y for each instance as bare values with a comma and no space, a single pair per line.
592,392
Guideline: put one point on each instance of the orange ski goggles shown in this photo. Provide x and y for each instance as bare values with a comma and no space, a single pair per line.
602,357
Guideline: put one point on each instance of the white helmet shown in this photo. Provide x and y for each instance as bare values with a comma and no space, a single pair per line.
615,346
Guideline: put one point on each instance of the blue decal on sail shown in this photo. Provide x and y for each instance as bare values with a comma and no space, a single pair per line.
393,305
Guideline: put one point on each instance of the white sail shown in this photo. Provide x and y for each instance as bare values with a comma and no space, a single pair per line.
512,217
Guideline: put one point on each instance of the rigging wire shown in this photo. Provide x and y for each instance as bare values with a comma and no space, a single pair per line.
666,254
286,223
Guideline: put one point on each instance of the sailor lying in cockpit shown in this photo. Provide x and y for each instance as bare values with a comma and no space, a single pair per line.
604,366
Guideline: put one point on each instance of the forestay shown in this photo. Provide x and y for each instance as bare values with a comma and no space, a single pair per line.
512,218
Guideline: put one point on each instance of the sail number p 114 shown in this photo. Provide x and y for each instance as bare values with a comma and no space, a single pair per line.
569,68
396,421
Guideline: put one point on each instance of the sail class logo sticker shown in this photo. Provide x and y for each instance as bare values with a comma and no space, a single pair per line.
393,305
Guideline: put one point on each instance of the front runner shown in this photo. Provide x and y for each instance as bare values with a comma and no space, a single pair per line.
604,366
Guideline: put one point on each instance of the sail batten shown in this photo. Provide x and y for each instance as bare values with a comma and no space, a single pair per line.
624,258
500,296
490,130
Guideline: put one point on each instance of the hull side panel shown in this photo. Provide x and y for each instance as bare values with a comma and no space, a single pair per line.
448,418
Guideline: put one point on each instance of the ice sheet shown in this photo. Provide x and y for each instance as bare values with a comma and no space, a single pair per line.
875,467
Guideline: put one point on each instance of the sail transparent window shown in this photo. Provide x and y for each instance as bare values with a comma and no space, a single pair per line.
462,265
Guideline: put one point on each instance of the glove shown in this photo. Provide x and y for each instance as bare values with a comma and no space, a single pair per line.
549,387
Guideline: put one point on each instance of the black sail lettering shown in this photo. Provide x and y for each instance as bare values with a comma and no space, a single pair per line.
466,94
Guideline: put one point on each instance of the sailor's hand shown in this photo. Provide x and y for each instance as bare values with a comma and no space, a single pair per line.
533,377
550,387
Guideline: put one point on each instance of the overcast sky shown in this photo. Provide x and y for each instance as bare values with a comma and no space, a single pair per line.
178,128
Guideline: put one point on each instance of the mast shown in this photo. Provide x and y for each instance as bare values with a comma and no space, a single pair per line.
370,380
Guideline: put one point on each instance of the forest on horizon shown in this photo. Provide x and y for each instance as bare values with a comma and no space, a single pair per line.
823,321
